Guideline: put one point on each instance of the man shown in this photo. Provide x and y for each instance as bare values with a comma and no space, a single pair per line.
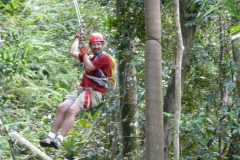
87,95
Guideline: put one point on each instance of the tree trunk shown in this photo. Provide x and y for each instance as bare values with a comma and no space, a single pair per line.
153,82
127,83
188,35
129,124
234,149
178,93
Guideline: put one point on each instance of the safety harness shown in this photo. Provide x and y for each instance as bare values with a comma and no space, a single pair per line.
101,81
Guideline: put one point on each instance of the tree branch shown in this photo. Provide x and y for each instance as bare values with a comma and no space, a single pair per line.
23,142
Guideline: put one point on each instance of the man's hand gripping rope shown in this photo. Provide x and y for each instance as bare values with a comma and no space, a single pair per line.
79,35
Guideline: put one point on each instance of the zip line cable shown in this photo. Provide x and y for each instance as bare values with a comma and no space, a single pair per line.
80,20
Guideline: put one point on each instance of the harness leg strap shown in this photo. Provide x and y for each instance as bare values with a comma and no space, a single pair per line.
87,98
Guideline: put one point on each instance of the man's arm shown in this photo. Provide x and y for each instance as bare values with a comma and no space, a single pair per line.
88,64
74,49
74,53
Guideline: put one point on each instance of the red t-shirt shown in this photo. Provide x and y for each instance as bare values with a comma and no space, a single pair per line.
102,62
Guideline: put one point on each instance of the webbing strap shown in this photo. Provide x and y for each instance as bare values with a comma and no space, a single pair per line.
88,97
99,55
100,81
100,72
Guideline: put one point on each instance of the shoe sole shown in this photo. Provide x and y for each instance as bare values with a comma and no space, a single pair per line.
54,145
44,144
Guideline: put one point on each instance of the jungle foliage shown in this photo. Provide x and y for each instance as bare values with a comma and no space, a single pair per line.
36,72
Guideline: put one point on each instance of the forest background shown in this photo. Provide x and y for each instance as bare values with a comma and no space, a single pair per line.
36,72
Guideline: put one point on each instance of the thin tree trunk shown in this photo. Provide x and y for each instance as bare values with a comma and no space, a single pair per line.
153,81
178,93
128,89
221,74
220,147
188,36
129,124
129,111
234,149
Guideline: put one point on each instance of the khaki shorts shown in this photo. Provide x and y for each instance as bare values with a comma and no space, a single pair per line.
78,96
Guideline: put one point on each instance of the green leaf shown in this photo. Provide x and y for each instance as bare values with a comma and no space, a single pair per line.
209,120
167,114
8,11
235,29
235,131
232,7
11,5
199,119
230,85
225,108
238,101
202,114
209,131
27,22
235,156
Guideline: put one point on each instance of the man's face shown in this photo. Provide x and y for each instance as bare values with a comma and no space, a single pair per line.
96,47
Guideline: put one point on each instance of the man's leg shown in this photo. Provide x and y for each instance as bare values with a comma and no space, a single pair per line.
72,112
57,122
77,107
68,123
60,115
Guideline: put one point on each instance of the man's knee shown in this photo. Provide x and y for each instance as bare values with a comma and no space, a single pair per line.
74,109
63,107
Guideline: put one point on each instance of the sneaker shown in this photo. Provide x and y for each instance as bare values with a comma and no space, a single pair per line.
56,143
46,142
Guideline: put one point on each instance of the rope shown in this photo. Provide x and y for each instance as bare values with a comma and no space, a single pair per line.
80,20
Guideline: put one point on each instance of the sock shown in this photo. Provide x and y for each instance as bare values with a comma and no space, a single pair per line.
60,137
52,135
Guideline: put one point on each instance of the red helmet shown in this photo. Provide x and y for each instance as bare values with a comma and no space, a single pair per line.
96,37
